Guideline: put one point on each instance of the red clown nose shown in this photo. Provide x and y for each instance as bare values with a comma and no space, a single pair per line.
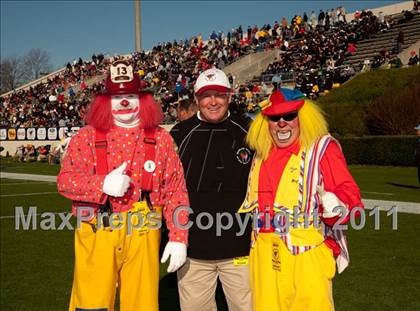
124,103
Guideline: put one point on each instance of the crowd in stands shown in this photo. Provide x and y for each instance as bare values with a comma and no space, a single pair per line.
313,49
316,56
60,101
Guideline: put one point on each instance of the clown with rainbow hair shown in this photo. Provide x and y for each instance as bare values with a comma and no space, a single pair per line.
299,188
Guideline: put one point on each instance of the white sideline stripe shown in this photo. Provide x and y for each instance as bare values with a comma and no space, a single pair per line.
37,214
373,192
33,177
26,194
402,207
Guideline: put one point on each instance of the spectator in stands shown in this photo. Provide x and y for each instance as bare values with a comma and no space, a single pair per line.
365,65
408,16
313,20
415,5
381,17
395,62
30,153
276,80
305,17
414,59
264,89
342,13
327,21
19,155
321,17
42,153
54,155
186,109
399,42
351,49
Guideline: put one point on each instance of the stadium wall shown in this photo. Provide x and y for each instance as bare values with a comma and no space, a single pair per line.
251,65
10,144
387,10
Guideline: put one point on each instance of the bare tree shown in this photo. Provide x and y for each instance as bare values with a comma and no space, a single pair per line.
36,62
11,73
395,113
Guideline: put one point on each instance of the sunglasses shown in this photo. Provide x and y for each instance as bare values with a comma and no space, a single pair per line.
286,117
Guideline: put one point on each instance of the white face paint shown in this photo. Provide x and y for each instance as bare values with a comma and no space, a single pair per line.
284,133
125,110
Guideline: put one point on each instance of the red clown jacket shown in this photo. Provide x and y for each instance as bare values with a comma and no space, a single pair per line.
77,179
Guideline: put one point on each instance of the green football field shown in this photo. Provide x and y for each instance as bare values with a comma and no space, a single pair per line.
384,273
376,182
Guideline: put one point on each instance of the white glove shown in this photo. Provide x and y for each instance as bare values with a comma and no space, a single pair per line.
178,253
116,183
329,201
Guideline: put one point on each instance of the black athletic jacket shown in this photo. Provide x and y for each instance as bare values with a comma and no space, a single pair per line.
216,164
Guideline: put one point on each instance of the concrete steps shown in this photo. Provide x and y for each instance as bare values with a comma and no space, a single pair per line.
369,48
251,65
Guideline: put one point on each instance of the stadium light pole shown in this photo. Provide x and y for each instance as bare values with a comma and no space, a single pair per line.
137,25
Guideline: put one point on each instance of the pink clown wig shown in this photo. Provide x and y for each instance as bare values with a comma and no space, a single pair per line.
100,117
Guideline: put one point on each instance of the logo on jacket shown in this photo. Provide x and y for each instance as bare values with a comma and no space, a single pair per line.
243,155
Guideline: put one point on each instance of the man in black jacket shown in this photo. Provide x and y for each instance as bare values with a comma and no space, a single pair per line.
216,161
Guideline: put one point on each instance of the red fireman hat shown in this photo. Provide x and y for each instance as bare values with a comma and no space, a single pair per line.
283,101
121,79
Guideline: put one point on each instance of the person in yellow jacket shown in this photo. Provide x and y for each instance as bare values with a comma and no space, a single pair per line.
298,172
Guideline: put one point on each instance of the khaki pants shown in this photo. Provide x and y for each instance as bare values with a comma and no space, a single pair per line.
197,280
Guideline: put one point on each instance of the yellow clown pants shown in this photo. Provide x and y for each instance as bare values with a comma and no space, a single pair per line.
108,259
281,281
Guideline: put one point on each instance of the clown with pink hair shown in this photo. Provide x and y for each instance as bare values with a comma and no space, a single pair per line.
122,167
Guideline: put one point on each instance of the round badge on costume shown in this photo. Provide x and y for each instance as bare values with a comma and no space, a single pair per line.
243,155
149,166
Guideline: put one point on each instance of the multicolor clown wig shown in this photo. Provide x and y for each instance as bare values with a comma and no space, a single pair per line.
312,125
99,113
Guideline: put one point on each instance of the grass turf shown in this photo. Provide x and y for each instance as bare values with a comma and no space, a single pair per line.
387,182
36,266
40,168
376,182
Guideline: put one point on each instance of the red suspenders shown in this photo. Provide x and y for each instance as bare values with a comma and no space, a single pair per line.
102,169
149,164
100,150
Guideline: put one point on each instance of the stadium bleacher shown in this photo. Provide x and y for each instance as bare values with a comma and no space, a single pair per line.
314,55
